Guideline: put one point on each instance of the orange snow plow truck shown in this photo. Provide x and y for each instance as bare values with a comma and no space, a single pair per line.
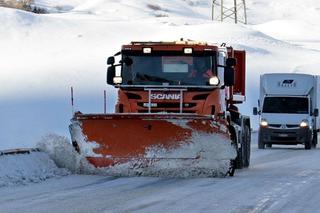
176,113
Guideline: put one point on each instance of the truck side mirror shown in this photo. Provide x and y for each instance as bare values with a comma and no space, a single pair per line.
111,73
316,112
127,61
231,62
110,60
228,76
255,111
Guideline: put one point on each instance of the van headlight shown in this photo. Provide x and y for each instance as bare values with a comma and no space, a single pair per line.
263,123
304,124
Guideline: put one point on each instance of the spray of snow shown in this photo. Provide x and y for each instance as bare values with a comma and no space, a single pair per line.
61,151
22,169
86,148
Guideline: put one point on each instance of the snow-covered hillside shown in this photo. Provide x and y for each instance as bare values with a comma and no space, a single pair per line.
43,55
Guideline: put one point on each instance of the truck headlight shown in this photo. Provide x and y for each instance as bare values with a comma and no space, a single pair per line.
263,123
117,80
214,81
304,124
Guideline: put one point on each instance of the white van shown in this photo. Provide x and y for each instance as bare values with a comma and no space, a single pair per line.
288,109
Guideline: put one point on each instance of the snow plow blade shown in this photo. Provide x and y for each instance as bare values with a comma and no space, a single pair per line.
153,144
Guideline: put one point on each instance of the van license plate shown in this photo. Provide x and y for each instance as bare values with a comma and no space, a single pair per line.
283,135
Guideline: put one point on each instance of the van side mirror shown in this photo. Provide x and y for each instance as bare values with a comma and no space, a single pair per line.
255,111
316,113
231,62
111,73
110,60
228,76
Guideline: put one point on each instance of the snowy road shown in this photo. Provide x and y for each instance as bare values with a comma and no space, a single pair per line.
281,179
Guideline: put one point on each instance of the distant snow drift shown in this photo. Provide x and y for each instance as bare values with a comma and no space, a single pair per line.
27,168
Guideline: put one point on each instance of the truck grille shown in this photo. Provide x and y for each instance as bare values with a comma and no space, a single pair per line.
166,111
166,105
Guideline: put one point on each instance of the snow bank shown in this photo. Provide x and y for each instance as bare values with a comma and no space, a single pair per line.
308,68
27,168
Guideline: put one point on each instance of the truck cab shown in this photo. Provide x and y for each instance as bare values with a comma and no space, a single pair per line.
178,77
288,110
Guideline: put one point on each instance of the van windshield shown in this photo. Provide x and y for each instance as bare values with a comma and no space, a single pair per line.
290,105
171,70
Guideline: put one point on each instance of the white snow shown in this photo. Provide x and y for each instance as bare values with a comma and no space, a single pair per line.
21,169
85,147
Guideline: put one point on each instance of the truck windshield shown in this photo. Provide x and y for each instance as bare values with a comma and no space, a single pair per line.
290,105
169,70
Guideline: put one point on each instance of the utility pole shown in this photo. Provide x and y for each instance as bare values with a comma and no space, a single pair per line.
223,10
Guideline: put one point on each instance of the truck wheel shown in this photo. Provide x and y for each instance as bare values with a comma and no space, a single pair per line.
239,161
261,144
232,168
247,145
314,139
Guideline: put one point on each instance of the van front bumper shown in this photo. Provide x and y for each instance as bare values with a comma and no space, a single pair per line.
285,136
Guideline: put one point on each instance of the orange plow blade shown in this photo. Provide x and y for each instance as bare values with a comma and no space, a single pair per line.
153,144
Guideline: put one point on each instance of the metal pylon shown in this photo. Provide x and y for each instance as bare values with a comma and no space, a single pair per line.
224,9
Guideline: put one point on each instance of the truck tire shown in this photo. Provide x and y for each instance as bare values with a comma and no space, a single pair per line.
247,145
261,144
239,161
232,168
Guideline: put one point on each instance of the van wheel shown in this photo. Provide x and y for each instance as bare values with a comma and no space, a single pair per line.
261,144
269,145
308,144
314,139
